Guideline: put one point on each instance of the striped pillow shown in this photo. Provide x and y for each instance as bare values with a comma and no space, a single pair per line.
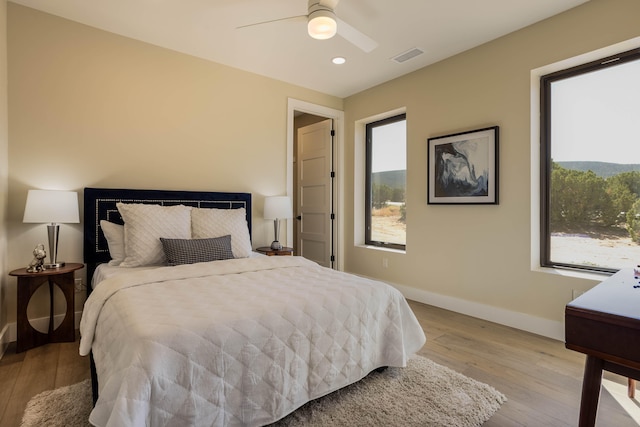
190,251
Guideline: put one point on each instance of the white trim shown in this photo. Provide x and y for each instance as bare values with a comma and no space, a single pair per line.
536,74
525,322
5,339
513,319
294,105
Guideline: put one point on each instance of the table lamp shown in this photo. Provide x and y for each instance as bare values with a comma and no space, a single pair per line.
277,208
53,207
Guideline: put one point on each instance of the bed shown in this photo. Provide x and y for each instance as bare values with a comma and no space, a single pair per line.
220,337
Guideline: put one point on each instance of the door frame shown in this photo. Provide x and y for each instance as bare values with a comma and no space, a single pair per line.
294,105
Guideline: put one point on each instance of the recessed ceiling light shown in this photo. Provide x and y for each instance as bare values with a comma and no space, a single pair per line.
338,60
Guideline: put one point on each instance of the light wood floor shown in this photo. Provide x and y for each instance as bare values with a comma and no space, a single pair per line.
541,379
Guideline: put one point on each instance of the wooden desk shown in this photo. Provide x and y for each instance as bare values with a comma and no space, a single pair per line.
28,337
604,324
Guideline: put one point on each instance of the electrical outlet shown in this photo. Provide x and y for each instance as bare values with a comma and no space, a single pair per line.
385,262
78,285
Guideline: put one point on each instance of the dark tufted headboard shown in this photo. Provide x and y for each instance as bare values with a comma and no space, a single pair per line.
100,203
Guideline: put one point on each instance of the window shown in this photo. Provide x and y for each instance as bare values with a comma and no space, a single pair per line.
590,165
386,182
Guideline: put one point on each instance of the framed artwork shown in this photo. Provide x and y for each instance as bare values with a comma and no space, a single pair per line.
462,168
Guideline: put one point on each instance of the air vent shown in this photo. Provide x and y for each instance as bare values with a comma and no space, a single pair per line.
411,53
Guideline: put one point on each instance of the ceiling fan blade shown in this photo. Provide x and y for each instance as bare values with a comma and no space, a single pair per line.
273,20
357,38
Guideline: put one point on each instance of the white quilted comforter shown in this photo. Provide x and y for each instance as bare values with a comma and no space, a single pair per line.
237,342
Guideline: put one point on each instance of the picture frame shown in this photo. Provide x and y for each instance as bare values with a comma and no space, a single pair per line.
462,168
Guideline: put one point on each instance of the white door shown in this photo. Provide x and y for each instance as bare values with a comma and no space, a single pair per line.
315,192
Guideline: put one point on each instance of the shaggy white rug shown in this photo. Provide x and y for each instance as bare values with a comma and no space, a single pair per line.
422,394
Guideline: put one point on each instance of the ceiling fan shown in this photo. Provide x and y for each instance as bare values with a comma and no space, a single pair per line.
322,24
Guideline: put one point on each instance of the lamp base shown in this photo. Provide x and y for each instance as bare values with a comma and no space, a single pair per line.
53,230
276,246
53,265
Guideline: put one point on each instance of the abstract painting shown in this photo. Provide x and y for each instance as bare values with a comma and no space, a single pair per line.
462,168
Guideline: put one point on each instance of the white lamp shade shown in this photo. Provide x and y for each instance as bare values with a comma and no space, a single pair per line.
50,206
322,24
278,207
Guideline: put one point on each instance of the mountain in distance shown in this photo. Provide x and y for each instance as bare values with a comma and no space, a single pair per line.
398,178
601,169
394,179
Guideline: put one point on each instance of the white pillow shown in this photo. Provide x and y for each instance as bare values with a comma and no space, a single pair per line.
220,222
114,233
143,227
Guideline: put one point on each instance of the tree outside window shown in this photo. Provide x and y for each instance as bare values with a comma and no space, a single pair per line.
386,153
591,165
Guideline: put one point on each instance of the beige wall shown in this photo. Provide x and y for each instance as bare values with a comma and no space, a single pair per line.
90,108
477,258
4,170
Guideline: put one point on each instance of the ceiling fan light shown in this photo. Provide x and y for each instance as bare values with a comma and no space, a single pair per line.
322,24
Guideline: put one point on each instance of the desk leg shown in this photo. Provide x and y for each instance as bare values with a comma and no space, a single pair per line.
590,391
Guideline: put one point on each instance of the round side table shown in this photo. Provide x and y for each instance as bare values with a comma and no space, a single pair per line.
29,337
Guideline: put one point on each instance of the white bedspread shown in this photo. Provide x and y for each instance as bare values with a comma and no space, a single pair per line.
237,342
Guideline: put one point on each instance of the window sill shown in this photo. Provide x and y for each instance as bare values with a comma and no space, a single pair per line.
567,272
383,249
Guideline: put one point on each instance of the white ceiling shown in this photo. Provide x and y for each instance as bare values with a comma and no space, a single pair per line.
282,50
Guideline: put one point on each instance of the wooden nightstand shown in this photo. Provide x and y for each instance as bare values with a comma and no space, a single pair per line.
28,283
272,252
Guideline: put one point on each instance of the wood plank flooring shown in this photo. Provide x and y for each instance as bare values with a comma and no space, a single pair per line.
541,379
23,375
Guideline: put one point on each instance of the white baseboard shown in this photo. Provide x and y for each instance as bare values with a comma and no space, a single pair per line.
536,325
4,340
10,331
